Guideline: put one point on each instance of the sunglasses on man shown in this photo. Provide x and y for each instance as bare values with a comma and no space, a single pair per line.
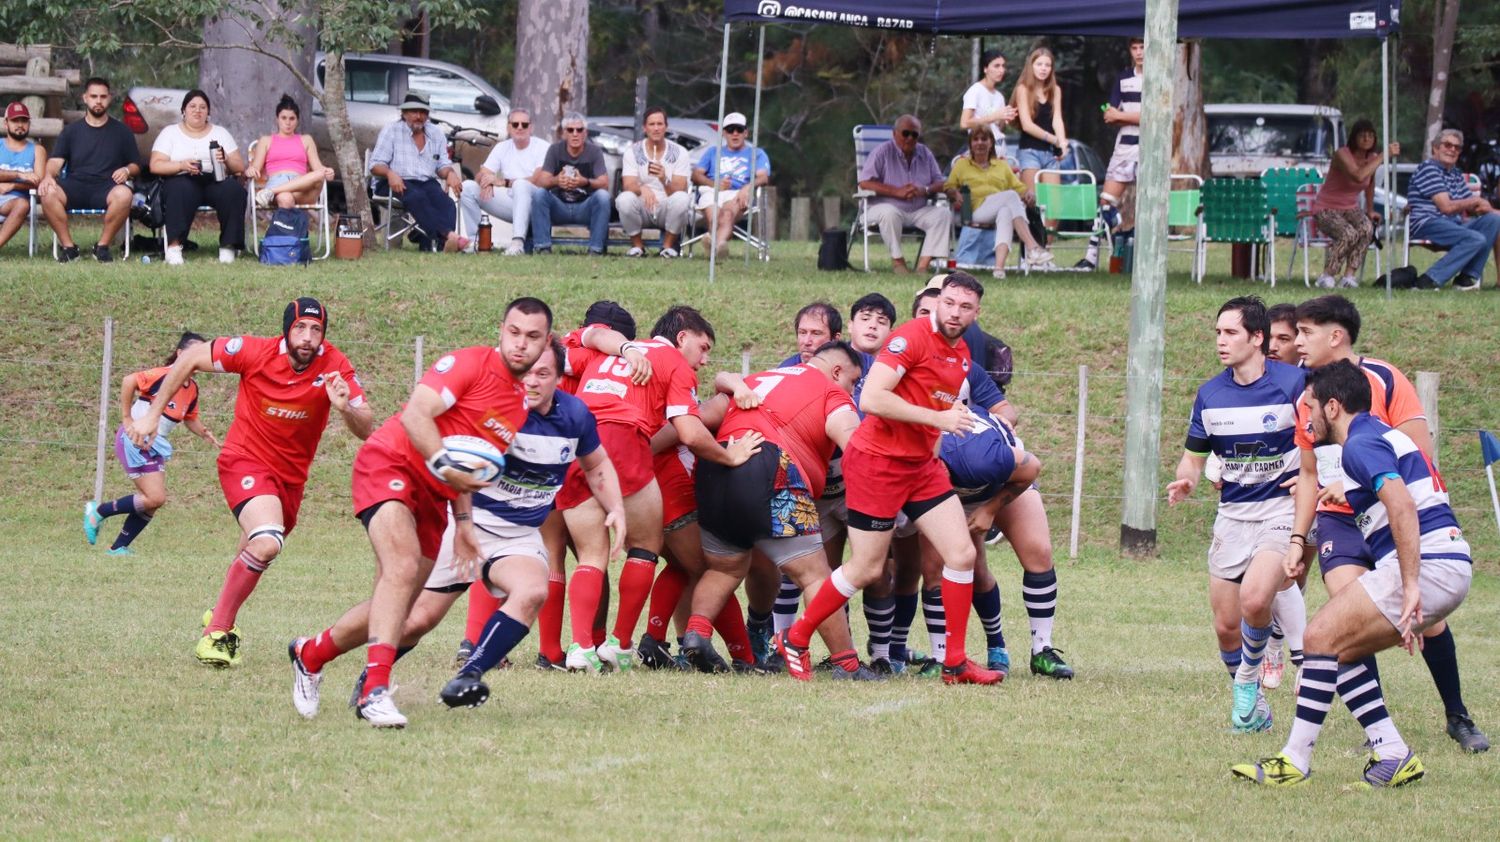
520,125
734,129
911,135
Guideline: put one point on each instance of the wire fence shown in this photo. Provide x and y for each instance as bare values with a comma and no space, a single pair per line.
1073,421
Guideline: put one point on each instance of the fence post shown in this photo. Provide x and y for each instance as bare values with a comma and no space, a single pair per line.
103,438
1427,393
744,363
833,213
800,228
417,366
1083,418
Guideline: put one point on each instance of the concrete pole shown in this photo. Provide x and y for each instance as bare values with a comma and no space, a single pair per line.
1148,287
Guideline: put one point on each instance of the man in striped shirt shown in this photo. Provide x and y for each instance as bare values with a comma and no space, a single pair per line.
1445,211
1422,574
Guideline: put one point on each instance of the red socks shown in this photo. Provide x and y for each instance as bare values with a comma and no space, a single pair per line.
847,660
831,597
378,669
239,582
549,621
482,605
317,651
958,591
583,602
731,626
635,586
700,624
665,595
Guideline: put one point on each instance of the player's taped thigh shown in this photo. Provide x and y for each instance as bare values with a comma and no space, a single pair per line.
1109,199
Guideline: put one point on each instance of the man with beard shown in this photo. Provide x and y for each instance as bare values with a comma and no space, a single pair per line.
287,386
100,155
22,163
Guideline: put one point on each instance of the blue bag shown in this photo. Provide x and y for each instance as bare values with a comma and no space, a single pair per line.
286,242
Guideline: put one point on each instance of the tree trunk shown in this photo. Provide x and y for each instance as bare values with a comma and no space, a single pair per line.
645,58
244,85
341,134
552,61
1189,126
1444,26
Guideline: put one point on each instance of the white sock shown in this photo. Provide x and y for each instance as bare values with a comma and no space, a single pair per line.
226,255
1290,610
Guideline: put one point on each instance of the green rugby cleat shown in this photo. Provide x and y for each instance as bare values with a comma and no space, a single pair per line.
219,650
91,521
1271,771
1384,774
1049,662
1251,713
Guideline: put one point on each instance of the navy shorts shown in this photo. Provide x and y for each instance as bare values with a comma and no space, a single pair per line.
1340,542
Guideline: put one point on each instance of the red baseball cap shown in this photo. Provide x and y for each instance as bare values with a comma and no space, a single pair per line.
17,111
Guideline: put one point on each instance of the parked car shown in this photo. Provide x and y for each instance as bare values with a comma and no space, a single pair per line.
1245,140
375,85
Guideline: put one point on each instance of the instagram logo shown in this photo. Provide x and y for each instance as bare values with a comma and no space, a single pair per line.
768,8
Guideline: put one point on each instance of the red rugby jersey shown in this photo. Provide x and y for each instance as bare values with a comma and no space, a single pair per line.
796,403
482,398
604,384
280,413
932,372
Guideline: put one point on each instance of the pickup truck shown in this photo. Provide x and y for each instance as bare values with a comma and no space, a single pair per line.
376,84
1245,140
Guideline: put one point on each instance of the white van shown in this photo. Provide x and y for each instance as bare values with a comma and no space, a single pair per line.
1246,139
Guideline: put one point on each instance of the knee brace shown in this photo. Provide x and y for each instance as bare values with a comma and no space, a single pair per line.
638,554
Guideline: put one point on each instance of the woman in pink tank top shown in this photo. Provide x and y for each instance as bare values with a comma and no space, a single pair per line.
287,163
1336,209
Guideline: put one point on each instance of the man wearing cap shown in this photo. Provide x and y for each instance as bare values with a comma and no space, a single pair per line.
654,189
738,168
574,182
100,155
22,163
411,154
288,384
902,173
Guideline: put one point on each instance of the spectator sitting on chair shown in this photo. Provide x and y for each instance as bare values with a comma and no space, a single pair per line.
655,187
411,154
504,187
101,156
736,162
1000,199
288,161
22,163
1437,200
1336,208
902,173
575,187
183,157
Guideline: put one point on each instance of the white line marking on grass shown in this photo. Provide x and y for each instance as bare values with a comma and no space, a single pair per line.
602,764
882,708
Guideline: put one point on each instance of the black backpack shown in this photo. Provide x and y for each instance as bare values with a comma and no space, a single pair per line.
833,252
999,362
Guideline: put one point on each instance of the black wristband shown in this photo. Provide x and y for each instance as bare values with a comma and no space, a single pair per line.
1302,538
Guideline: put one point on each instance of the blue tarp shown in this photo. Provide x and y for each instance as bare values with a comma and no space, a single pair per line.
1195,18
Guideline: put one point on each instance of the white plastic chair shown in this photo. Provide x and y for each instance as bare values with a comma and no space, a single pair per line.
866,138
32,209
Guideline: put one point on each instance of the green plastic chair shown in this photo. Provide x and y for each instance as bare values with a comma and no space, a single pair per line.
1071,202
1281,194
1183,203
1236,211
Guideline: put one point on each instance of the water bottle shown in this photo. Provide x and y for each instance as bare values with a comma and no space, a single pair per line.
966,213
145,258
484,232
220,171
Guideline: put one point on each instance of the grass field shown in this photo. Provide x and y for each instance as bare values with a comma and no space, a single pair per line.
114,731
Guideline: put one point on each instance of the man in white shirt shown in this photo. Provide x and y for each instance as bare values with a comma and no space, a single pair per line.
655,187
504,188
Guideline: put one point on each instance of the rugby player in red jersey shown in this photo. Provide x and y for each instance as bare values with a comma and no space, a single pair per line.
630,408
405,480
770,502
288,384
910,397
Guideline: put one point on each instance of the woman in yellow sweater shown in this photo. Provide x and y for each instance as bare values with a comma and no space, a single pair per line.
999,197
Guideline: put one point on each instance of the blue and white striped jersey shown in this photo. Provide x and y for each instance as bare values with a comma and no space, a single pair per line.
1374,453
1252,428
538,461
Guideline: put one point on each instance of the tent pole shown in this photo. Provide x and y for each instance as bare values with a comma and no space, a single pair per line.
975,51
1148,287
1385,157
713,225
760,71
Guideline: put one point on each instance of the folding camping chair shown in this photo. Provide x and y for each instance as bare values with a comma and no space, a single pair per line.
320,207
1475,186
32,210
744,229
866,138
1308,237
395,222
1235,211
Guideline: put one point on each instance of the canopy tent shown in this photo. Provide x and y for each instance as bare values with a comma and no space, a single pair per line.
1276,19
1195,18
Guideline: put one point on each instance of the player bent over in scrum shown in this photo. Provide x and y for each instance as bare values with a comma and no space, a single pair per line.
505,526
1422,573
804,411
288,384
910,396
405,480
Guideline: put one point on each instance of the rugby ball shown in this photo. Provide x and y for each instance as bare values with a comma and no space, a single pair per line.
478,456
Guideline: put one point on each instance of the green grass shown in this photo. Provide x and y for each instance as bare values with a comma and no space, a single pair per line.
114,731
